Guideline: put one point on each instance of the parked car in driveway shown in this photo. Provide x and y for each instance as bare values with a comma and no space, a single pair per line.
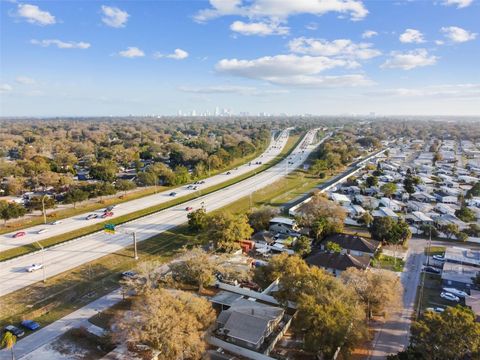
30,325
14,330
34,267
431,270
129,275
439,257
449,296
91,216
19,234
456,292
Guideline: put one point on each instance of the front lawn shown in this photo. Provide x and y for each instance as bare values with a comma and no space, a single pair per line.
388,263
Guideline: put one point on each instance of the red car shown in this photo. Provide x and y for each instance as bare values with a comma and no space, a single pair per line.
19,234
189,208
107,214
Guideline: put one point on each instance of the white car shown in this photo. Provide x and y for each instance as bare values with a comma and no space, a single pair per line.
56,222
41,231
457,292
449,296
439,257
34,267
438,310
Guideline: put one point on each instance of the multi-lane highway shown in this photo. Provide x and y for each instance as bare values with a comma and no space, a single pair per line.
41,232
13,275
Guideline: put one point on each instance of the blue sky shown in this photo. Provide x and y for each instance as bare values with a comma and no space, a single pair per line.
75,58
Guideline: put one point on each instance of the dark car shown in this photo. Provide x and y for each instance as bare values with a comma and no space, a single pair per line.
189,208
431,269
14,330
30,325
129,275
109,208
173,193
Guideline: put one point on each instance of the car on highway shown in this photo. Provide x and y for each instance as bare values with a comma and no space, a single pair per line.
228,173
456,292
109,208
56,222
106,214
19,234
189,187
173,193
34,267
30,325
438,310
431,270
439,257
14,330
189,208
41,231
91,216
449,296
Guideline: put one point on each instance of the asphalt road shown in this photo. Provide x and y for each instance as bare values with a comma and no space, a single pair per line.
393,335
7,241
13,274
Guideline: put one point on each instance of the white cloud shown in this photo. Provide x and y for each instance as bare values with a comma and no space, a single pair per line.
457,34
468,91
131,52
114,17
4,88
292,70
178,54
342,48
232,89
458,3
259,28
409,60
412,36
369,34
34,15
25,80
439,42
61,44
281,10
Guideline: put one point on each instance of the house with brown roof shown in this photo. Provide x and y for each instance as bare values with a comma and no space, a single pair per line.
336,263
352,244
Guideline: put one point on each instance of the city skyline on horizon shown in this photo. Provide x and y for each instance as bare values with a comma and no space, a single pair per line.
339,58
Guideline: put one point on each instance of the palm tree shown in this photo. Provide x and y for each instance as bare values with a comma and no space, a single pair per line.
8,341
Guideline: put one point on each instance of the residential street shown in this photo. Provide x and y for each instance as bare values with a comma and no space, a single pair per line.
393,336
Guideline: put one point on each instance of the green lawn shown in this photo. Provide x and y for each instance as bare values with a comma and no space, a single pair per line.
387,262
22,250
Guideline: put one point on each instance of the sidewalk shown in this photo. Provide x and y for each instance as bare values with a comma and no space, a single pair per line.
74,320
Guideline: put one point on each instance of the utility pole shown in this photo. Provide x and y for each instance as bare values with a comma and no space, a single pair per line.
135,245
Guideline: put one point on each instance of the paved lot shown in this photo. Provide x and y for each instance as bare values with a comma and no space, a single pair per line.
88,248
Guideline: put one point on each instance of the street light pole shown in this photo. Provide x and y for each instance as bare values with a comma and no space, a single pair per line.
43,262
43,209
135,245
